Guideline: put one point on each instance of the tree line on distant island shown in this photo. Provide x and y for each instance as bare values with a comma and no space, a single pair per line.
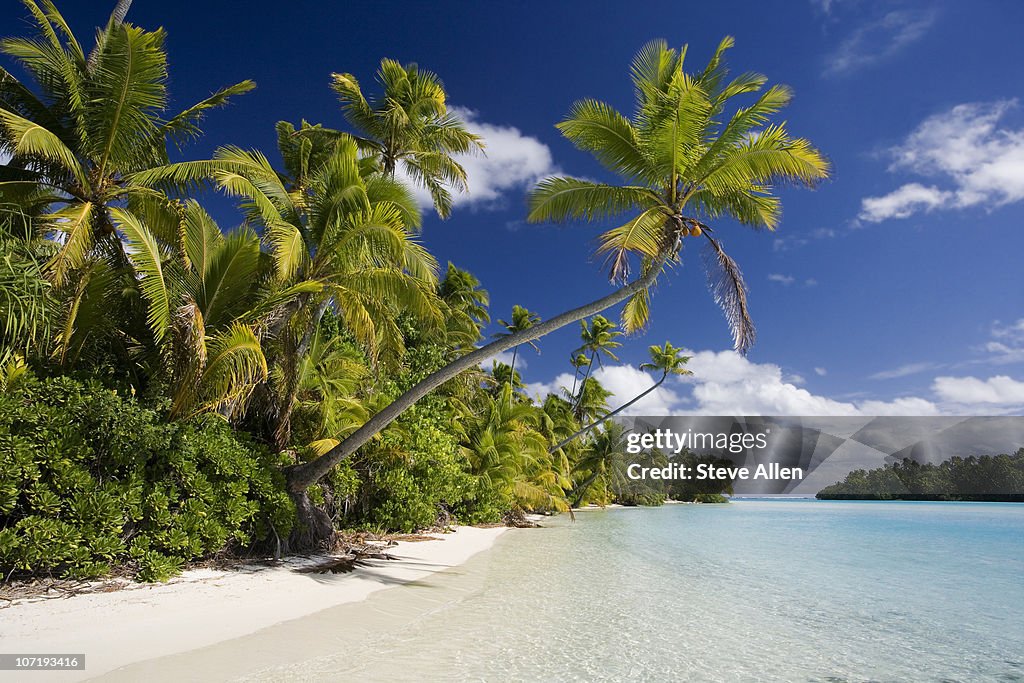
170,389
997,478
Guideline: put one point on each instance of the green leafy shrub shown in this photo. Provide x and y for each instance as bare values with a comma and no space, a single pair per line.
413,473
90,480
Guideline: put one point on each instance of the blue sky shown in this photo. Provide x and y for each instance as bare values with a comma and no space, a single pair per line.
895,287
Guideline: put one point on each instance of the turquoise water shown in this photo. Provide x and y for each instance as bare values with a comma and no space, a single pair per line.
788,591
750,591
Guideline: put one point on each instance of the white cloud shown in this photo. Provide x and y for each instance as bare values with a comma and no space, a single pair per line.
725,383
903,202
625,382
1007,345
810,282
996,391
877,41
506,358
903,371
538,390
782,279
820,372
982,164
511,162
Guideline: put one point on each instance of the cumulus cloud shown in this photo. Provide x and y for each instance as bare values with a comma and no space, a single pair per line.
979,163
512,162
726,383
878,40
995,391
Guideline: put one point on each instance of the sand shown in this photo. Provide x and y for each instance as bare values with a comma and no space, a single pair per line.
204,607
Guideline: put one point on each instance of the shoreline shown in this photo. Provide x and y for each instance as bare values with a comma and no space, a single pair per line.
203,607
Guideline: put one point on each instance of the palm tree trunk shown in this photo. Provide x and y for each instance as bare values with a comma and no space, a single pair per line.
116,19
581,490
612,414
512,375
583,384
575,379
302,476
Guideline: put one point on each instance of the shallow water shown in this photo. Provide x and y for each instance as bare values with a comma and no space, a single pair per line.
754,590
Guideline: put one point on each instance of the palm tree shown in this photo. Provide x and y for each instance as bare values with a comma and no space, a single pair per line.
522,319
667,359
207,308
505,376
590,401
466,304
599,338
27,306
98,120
577,360
324,403
410,126
333,220
507,453
598,459
693,162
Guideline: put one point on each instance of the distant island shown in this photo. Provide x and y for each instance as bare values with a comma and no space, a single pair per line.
993,478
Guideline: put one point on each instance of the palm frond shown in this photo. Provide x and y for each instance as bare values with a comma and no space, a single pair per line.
730,293
562,199
31,140
597,128
75,225
185,125
148,260
125,93
644,235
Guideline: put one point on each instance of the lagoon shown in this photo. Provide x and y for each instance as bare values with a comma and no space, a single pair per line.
785,590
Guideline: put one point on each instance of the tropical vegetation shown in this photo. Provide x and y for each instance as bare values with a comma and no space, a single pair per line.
975,478
172,388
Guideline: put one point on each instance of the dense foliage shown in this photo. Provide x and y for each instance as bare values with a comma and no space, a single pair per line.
979,478
163,379
90,479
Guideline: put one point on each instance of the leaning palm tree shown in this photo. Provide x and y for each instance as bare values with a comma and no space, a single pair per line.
97,120
687,162
667,359
410,127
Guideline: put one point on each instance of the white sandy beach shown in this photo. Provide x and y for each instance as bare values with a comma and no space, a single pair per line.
204,607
